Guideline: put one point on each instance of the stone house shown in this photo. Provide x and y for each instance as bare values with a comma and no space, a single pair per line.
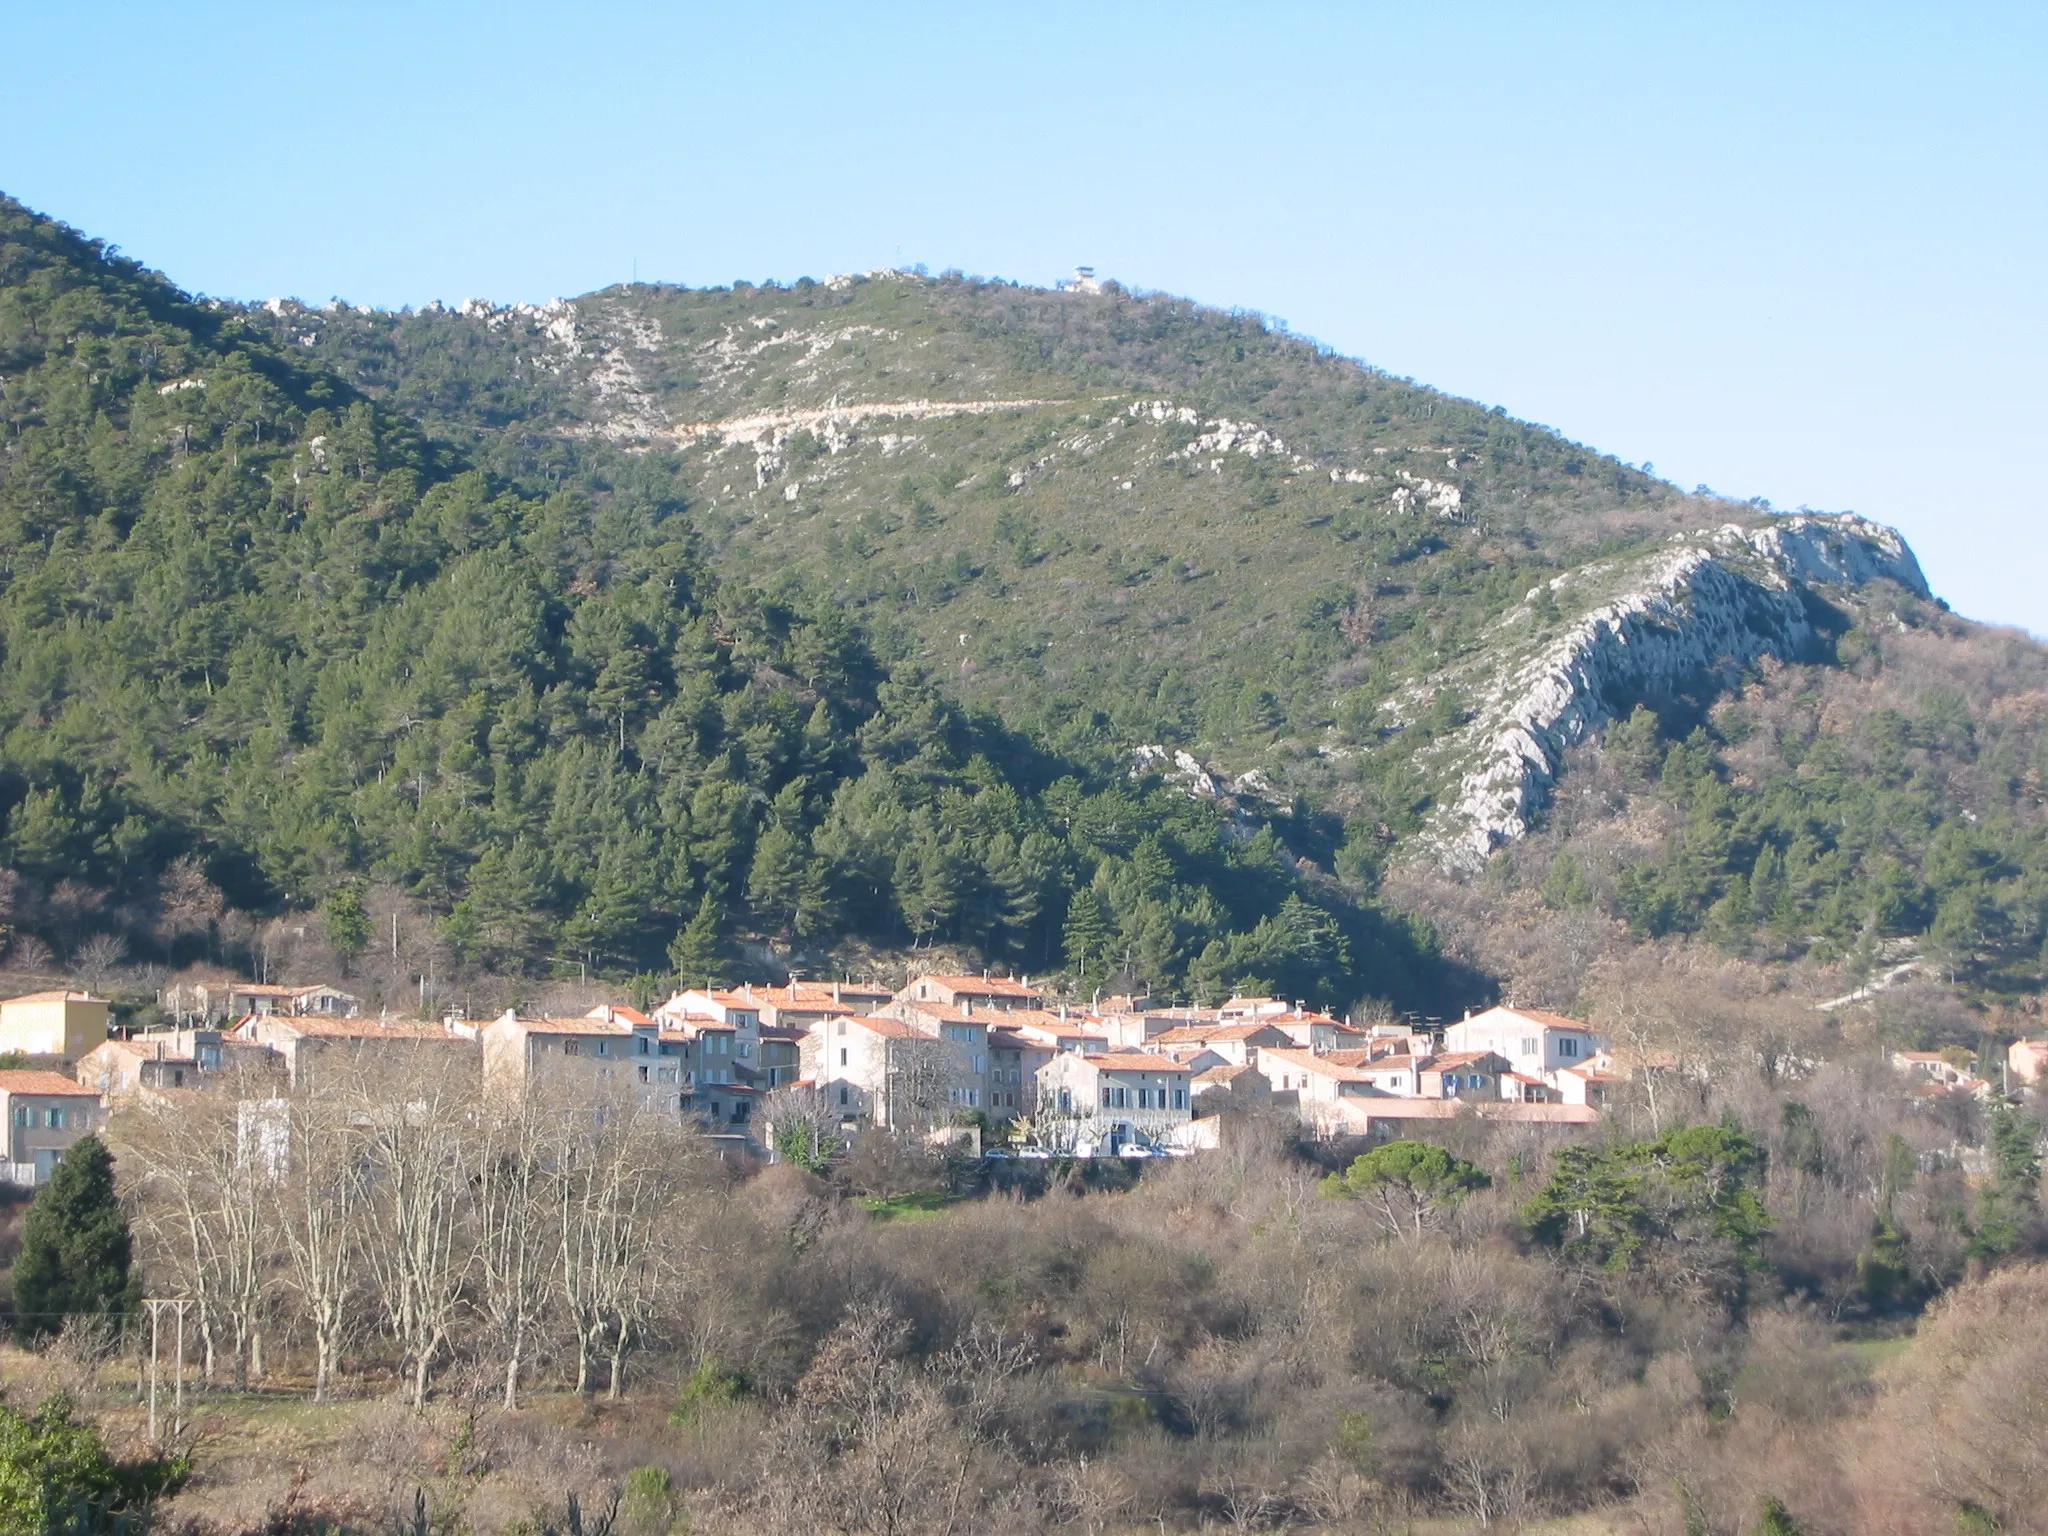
45,1113
1111,1100
53,1024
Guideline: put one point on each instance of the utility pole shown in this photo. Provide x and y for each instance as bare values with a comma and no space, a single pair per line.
157,1306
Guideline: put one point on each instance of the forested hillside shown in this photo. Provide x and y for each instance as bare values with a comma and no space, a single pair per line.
726,630
265,640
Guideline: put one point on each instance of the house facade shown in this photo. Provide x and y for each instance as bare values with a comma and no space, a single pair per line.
66,1024
1112,1100
308,1046
45,1113
735,1010
168,1059
1002,993
594,1056
893,1073
1535,1043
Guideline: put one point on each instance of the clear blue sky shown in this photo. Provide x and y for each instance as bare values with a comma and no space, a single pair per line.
1793,251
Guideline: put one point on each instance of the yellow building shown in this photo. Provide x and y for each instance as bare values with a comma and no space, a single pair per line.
64,1024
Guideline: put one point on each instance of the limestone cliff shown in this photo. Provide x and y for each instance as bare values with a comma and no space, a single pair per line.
1705,604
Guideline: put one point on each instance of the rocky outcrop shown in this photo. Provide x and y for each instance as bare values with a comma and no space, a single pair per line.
1708,603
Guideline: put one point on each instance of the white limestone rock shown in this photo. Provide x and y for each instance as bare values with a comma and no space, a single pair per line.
1710,602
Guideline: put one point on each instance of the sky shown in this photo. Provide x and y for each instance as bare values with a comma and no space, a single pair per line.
1791,251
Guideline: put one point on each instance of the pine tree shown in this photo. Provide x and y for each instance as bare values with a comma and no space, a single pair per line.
698,952
76,1251
348,923
1088,934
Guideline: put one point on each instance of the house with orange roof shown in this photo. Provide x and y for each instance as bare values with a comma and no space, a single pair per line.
1384,1118
382,1045
1110,1100
1002,993
594,1054
66,1024
1054,1031
45,1113
800,1004
1013,1063
169,1058
1227,1087
1475,1075
235,999
1346,1074
736,1010
1592,1084
1237,1042
1939,1072
1536,1043
893,1073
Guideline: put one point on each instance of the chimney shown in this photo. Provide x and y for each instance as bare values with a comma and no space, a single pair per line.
835,991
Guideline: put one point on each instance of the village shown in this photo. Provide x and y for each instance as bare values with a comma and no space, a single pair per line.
988,1064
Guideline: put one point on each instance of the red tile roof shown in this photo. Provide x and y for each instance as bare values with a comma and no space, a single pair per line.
982,986
353,1029
1131,1061
45,1085
54,997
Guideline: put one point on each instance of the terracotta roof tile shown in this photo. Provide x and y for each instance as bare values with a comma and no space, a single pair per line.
45,1084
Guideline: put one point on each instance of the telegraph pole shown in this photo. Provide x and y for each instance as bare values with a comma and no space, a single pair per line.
157,1306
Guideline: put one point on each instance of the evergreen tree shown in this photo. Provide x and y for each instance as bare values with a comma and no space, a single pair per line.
348,922
1088,934
1407,1182
698,951
76,1251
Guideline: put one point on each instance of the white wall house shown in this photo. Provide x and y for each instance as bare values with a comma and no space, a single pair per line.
1538,1044
1110,1100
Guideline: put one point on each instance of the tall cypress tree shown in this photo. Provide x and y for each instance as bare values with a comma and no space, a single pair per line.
76,1251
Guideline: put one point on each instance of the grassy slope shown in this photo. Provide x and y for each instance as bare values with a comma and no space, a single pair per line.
1225,599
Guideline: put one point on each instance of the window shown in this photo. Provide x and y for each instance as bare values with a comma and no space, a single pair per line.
643,1074
572,1048
1529,1047
21,1115
643,1042
980,1065
1180,1098
1107,1101
842,1095
665,1074
1122,1098
1568,1046
842,1055
53,1119
1066,1101
746,1048
604,1047
842,1027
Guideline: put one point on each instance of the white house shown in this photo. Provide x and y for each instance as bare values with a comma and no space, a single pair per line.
739,1011
1111,1099
1536,1043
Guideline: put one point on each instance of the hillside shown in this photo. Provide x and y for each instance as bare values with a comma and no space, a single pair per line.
266,642
1088,632
1123,519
